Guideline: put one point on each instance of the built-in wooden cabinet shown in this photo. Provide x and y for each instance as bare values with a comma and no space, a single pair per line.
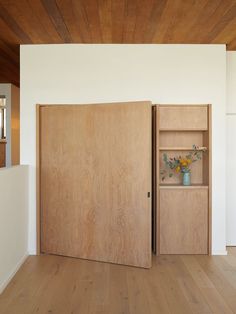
94,187
183,218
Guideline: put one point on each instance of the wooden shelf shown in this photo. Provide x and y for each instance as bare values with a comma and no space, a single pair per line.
183,148
183,130
179,186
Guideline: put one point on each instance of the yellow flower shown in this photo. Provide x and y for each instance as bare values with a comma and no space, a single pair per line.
184,162
177,169
189,161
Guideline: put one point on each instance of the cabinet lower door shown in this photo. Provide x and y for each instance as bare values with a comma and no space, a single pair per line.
95,173
184,220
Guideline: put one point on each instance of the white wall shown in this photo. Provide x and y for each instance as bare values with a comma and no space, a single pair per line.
231,150
13,221
184,74
231,82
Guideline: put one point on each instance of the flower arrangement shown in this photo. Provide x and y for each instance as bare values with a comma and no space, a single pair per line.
180,164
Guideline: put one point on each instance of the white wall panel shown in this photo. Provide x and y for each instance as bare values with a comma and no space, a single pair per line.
13,221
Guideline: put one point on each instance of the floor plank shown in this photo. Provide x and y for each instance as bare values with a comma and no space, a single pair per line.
175,284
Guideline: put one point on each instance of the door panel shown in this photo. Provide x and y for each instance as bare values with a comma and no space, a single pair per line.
183,117
183,220
95,175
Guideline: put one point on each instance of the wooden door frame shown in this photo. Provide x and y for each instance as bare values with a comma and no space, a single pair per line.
38,191
210,180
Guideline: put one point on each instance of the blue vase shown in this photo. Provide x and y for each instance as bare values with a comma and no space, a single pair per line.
186,178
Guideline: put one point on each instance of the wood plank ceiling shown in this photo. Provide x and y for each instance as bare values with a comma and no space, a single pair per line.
111,21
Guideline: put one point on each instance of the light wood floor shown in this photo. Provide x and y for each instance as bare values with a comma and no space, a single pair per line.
175,284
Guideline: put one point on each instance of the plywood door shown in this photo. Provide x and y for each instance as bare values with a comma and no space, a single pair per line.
95,177
184,220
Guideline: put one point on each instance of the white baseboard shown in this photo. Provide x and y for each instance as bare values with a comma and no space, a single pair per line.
220,252
33,252
12,274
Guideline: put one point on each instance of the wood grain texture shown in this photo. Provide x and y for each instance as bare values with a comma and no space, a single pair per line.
175,284
2,154
15,125
184,221
180,139
209,178
107,21
154,180
157,180
95,163
183,118
38,184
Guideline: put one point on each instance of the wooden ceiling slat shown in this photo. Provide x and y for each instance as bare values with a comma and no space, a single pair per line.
82,21
104,7
45,20
129,21
57,19
70,19
11,50
8,36
225,18
232,45
5,54
11,23
7,63
92,12
8,71
227,34
28,21
166,17
118,12
176,14
143,14
154,20
32,23
202,22
188,15
6,77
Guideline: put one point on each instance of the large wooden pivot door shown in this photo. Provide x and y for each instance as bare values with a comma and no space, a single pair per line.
95,181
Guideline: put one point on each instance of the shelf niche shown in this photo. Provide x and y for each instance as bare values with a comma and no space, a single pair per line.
176,143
